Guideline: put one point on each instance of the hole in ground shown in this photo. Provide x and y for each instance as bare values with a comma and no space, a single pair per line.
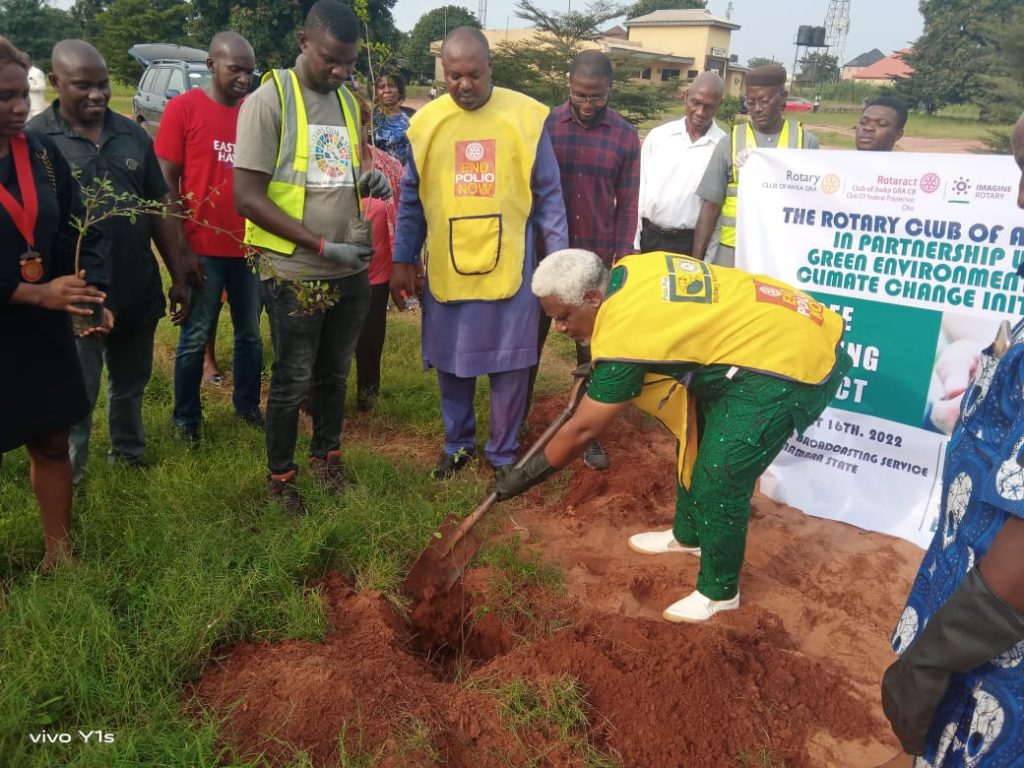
456,630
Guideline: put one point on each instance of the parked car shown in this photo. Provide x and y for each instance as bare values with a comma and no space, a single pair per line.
797,104
170,71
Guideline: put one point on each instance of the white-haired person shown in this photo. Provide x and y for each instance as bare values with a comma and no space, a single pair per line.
732,363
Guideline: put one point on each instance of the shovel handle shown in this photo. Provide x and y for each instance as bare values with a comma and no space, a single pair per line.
473,517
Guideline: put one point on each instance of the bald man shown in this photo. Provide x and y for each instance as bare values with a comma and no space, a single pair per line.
768,129
481,185
196,148
98,142
673,160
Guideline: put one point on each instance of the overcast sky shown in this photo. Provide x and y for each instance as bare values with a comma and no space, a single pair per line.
768,28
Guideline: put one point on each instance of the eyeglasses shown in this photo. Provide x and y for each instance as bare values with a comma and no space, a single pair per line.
579,98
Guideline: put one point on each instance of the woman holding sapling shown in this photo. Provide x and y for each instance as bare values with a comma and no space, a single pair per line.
41,385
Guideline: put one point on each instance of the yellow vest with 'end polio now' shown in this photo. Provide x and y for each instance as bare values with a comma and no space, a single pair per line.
475,168
672,309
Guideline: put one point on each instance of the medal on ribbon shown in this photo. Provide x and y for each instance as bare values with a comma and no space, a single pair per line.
24,214
31,267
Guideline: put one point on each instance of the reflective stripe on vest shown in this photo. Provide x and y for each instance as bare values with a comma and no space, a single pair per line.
287,188
742,136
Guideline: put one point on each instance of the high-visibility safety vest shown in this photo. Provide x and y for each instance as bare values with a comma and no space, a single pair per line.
287,188
475,168
673,309
792,137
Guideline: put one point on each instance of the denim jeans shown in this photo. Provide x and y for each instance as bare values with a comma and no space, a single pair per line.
128,354
243,288
312,354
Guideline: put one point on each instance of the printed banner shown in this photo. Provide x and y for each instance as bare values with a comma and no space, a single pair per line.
918,253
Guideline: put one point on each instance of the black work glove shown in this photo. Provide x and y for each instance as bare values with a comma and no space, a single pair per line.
375,184
347,254
973,627
513,481
583,371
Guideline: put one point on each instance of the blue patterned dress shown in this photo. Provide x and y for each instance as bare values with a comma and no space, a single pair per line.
389,134
979,722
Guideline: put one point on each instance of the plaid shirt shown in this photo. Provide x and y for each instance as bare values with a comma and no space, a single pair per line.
600,169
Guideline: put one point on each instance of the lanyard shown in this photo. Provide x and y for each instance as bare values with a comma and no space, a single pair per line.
22,214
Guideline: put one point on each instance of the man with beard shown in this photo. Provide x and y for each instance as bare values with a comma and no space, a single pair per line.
599,159
102,144
768,129
672,163
196,148
297,169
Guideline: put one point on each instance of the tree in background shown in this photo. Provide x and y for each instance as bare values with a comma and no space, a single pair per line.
643,7
125,23
433,25
540,67
950,56
760,61
1001,98
34,26
84,15
272,26
818,67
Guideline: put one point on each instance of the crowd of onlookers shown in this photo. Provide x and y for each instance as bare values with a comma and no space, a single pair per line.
307,173
457,205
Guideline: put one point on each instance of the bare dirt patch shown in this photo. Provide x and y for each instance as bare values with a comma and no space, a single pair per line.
792,675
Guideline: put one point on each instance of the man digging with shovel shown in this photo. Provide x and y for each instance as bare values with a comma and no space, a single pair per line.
732,363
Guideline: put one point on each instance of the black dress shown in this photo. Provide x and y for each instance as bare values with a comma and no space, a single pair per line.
41,386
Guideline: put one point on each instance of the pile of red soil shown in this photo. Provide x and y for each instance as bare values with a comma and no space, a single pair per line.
793,674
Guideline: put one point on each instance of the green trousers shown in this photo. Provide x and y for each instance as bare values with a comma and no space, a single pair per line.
743,425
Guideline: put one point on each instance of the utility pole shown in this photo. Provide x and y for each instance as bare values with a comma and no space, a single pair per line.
481,14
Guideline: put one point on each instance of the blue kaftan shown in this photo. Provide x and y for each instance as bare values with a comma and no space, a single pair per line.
979,722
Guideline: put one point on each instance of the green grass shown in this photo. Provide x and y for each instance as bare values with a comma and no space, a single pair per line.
557,708
180,559
761,758
953,123
120,97
833,140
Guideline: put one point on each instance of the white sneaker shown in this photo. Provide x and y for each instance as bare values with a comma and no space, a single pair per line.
695,607
659,542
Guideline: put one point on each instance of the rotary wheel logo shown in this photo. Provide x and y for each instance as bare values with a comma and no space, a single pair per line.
685,266
768,290
961,187
830,184
474,152
930,182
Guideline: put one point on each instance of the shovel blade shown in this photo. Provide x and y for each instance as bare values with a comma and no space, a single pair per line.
443,560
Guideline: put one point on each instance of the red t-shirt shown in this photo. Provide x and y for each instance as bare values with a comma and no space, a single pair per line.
198,134
377,214
383,215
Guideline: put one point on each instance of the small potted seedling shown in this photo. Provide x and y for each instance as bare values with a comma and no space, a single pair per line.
99,203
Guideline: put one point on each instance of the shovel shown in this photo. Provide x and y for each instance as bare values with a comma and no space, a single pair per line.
453,545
